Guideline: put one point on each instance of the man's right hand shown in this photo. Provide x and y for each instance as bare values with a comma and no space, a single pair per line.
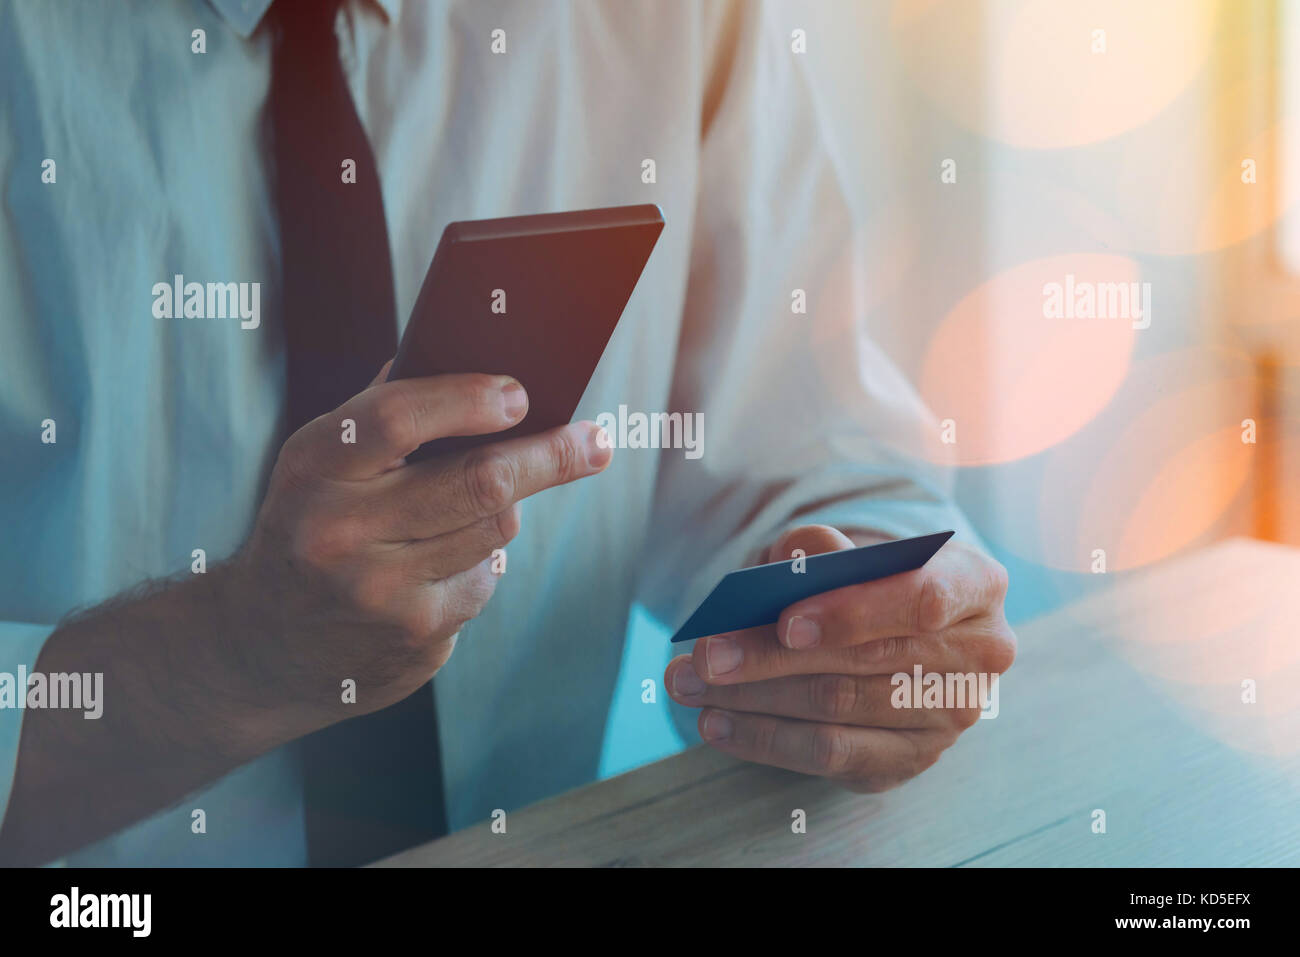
361,566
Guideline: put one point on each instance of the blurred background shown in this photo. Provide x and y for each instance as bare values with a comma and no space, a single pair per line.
997,147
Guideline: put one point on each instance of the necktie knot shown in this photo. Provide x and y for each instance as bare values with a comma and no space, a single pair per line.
304,22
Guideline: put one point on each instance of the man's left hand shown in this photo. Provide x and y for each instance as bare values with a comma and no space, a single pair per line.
813,692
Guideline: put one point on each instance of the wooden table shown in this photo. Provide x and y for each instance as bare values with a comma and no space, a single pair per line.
1128,702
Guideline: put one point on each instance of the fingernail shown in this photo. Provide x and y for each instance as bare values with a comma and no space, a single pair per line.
598,447
686,682
722,655
514,399
717,726
802,632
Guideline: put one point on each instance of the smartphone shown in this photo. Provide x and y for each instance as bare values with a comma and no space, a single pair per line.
533,297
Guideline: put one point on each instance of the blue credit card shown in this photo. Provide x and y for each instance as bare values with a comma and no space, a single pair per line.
756,596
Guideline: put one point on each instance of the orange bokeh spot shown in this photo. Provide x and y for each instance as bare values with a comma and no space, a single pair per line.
1015,381
1208,628
1036,74
1161,469
1165,481
1176,505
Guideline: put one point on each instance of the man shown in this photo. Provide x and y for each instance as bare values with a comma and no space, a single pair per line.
162,140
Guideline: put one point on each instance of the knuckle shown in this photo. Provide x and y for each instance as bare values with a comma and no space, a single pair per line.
478,398
934,602
895,648
992,648
436,609
762,739
419,625
965,718
999,579
565,458
507,524
470,592
424,622
926,758
483,585
490,482
1002,651
834,697
394,417
832,750
926,749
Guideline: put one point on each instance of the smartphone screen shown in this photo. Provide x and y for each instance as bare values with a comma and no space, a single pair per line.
534,297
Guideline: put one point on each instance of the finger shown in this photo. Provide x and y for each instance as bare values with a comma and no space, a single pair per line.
392,419
859,700
380,378
443,494
432,559
875,758
954,585
756,655
463,596
808,539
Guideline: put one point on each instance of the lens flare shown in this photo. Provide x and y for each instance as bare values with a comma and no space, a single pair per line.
1012,375
1044,74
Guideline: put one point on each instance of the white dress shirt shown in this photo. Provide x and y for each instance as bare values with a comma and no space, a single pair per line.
167,428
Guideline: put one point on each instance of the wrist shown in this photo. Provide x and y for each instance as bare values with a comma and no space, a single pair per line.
171,714
252,702
179,685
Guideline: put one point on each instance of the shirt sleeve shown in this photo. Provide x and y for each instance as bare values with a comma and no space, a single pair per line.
805,419
20,645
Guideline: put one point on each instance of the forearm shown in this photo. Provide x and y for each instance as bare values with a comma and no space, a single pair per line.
181,705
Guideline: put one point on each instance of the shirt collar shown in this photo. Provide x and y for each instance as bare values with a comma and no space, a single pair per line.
243,16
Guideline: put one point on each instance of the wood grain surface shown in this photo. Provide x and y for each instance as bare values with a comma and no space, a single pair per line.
1129,702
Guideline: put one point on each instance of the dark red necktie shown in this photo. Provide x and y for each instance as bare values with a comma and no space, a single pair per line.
373,784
